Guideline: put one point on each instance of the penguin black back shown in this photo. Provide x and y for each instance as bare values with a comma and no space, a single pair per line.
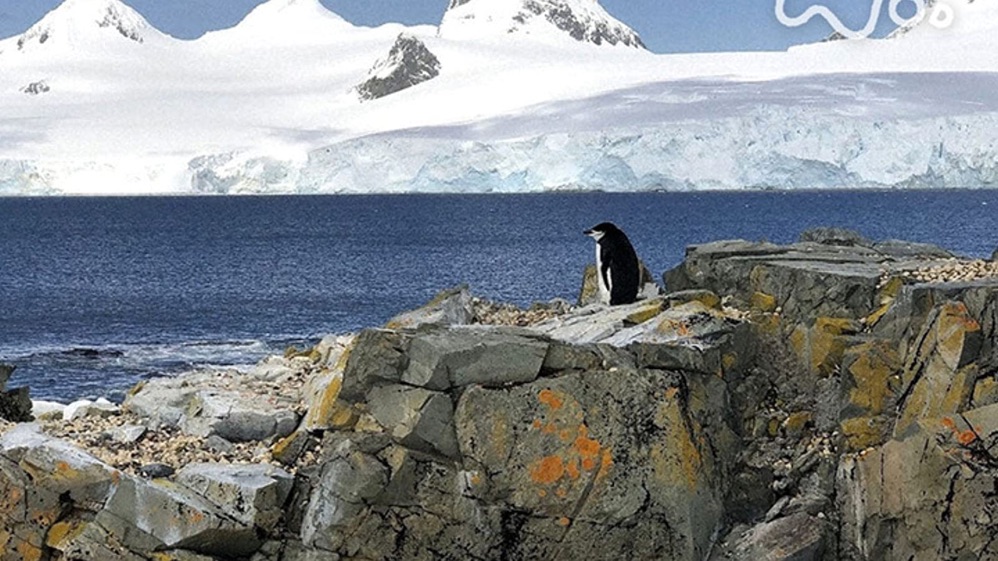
618,271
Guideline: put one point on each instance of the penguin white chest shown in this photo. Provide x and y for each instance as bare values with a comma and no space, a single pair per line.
605,284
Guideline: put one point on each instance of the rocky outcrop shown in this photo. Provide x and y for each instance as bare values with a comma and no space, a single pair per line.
15,404
582,20
409,63
36,88
830,399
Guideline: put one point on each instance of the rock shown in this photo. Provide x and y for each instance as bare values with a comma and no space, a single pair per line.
59,467
376,358
162,401
156,471
86,408
705,297
27,511
461,356
564,452
449,307
15,404
808,279
348,479
594,324
944,460
237,417
409,63
47,410
274,368
79,538
157,515
128,434
940,373
798,537
416,418
35,88
325,409
252,494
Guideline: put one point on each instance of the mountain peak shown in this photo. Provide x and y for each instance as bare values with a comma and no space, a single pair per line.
76,23
287,20
583,20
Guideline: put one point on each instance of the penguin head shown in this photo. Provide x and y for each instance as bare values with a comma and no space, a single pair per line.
598,231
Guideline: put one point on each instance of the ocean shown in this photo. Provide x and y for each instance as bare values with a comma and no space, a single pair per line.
97,294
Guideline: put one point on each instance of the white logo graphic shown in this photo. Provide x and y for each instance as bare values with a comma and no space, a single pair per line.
941,17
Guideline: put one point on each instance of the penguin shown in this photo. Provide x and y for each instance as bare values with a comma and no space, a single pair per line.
617,268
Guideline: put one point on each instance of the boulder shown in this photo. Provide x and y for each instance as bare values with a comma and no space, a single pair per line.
252,494
15,404
798,537
231,405
237,417
58,466
148,516
449,307
460,356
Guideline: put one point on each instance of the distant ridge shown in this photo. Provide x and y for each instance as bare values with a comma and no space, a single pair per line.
582,20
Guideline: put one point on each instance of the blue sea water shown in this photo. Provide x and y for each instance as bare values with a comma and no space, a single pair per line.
99,293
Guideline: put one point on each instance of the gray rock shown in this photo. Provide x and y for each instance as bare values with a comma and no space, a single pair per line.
568,449
35,88
376,358
236,416
15,404
128,434
162,401
798,537
450,307
409,63
416,418
151,516
252,494
348,479
474,355
156,471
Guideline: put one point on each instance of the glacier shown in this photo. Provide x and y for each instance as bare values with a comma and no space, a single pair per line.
912,130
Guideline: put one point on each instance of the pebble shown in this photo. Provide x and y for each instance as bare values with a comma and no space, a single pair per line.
156,471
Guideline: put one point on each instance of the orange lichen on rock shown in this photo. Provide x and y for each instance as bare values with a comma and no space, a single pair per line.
548,470
551,399
572,468
966,437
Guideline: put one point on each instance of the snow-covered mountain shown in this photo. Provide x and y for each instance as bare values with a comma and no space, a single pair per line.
108,104
84,24
582,20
